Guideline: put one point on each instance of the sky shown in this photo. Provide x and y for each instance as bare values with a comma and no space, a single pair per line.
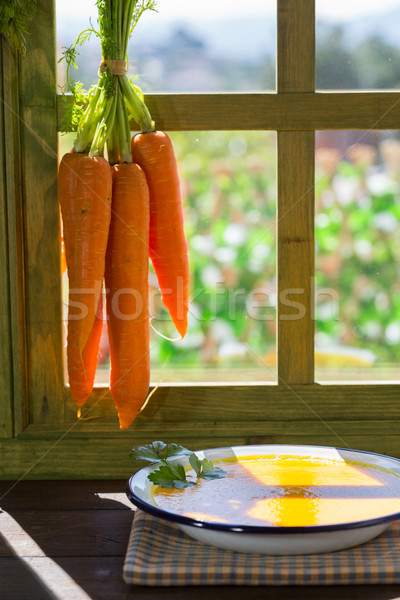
332,10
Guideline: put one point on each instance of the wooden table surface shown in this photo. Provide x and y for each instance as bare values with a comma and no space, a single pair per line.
67,540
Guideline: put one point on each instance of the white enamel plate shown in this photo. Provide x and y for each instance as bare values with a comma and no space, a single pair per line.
370,482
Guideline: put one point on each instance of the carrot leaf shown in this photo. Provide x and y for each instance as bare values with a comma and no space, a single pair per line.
139,9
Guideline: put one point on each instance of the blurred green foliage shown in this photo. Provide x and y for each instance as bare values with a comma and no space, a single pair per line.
358,247
229,195
370,64
229,190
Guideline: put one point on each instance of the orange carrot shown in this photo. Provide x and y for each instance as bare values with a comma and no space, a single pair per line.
86,219
63,257
168,248
126,279
66,195
82,366
82,369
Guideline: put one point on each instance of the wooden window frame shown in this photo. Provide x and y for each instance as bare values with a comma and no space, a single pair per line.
40,437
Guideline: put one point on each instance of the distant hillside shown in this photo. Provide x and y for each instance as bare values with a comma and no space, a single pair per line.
239,54
252,39
245,39
248,39
385,26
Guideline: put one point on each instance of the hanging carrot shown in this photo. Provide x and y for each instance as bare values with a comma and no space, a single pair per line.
104,123
168,247
82,366
90,221
66,194
63,257
82,369
126,279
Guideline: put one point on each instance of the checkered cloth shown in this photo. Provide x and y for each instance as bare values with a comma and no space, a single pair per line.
160,554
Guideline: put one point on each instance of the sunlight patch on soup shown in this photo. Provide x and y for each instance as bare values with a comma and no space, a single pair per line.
287,491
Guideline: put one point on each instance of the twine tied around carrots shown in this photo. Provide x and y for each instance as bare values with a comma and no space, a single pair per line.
117,67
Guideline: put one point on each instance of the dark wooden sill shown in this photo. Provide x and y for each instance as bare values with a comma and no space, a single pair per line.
67,539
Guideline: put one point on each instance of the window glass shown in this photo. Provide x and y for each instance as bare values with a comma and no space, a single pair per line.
357,255
357,44
229,196
186,46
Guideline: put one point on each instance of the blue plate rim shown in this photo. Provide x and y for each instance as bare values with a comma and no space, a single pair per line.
260,529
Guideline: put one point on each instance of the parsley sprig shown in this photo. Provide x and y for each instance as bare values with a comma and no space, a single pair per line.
173,474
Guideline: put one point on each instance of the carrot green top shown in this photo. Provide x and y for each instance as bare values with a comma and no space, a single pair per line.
114,99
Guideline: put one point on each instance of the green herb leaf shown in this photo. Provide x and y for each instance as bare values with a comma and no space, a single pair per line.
172,473
207,465
158,447
211,472
166,477
150,452
174,450
162,476
195,463
178,470
205,468
183,484
158,451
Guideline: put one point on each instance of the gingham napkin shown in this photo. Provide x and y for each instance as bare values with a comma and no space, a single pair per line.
160,554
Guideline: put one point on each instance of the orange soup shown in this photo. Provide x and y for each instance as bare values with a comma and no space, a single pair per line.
286,491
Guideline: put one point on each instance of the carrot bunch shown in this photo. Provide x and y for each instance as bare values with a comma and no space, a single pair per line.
116,214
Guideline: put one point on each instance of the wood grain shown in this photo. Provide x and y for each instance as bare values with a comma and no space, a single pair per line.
59,533
208,402
41,219
266,111
14,259
343,429
100,578
49,495
83,557
33,460
295,218
357,416
295,226
96,457
6,383
296,46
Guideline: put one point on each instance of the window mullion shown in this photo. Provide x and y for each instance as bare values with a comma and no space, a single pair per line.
295,228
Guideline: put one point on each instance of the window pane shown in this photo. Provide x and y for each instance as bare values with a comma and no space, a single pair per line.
229,195
357,255
357,44
186,46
